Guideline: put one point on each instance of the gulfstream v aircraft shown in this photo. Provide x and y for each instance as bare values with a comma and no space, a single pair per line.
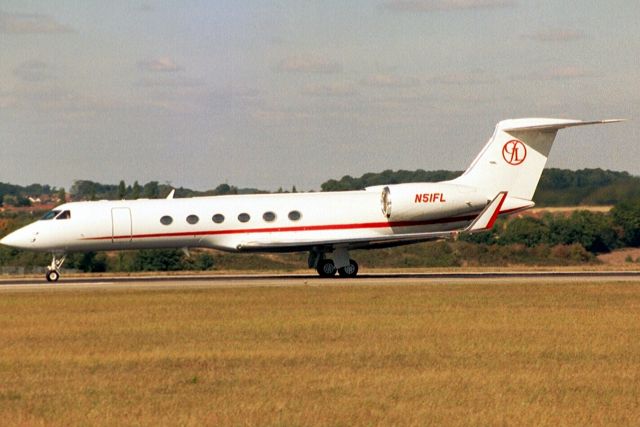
502,179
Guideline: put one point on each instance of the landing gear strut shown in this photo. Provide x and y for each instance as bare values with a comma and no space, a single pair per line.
340,263
53,270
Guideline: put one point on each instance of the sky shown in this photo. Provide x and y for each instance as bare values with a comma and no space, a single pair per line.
277,93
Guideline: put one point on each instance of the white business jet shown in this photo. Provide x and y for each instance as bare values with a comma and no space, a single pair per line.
502,179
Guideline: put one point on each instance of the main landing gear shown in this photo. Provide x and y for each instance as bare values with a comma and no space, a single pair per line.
53,270
341,263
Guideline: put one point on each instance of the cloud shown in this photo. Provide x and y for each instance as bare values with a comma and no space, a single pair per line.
563,73
444,5
232,98
171,82
476,77
554,36
390,81
7,100
559,73
33,23
330,90
307,64
160,65
33,71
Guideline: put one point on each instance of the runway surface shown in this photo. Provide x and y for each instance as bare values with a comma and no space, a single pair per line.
222,281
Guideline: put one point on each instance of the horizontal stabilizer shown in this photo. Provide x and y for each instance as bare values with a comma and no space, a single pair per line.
549,124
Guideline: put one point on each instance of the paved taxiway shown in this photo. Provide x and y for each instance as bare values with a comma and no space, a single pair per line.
221,281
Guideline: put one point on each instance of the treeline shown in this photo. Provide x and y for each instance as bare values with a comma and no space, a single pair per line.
388,176
562,187
597,232
89,190
558,187
16,195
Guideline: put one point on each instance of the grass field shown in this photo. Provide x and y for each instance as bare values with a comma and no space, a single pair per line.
474,354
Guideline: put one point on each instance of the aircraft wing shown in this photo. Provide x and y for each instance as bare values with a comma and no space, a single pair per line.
484,221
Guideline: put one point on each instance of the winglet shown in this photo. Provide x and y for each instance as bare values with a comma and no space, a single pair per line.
170,196
488,216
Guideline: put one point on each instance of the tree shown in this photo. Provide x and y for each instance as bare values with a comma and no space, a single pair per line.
151,190
136,191
62,195
159,260
527,230
627,216
122,190
90,262
593,230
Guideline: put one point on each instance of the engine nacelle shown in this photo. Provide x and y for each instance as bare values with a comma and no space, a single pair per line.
425,201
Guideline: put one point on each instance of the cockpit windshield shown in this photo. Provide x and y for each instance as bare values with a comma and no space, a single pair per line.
49,215
64,215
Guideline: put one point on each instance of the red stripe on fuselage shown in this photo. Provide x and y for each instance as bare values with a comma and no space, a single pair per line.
364,225
327,227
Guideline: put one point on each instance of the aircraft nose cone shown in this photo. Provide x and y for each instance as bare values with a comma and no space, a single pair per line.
17,239
8,240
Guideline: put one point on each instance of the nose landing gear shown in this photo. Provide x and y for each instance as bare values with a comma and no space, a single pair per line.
53,270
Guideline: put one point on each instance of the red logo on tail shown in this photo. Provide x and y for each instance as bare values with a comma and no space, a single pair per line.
514,152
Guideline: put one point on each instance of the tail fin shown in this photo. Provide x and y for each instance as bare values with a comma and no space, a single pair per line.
515,155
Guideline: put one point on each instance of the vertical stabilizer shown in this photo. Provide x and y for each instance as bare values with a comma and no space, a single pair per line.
515,156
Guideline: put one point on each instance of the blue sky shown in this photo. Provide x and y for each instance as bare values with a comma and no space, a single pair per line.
280,93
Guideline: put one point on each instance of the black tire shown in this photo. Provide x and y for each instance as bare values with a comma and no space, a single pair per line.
52,276
326,268
349,271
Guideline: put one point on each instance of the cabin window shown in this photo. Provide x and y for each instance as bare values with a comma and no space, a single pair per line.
244,217
166,220
218,218
269,216
50,215
193,219
295,215
64,215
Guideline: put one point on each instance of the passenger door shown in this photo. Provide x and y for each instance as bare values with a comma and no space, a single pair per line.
121,225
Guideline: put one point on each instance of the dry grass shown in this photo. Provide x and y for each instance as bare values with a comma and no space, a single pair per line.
485,354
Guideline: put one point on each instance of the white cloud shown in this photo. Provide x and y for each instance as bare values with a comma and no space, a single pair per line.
32,23
33,71
554,35
162,65
308,64
330,90
7,100
390,81
443,5
168,82
558,73
562,73
470,78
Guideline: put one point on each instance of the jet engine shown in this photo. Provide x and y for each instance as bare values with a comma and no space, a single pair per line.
426,201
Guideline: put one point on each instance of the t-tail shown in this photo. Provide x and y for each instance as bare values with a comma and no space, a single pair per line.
515,156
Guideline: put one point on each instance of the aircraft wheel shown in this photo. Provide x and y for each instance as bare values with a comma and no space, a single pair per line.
326,268
350,270
52,276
